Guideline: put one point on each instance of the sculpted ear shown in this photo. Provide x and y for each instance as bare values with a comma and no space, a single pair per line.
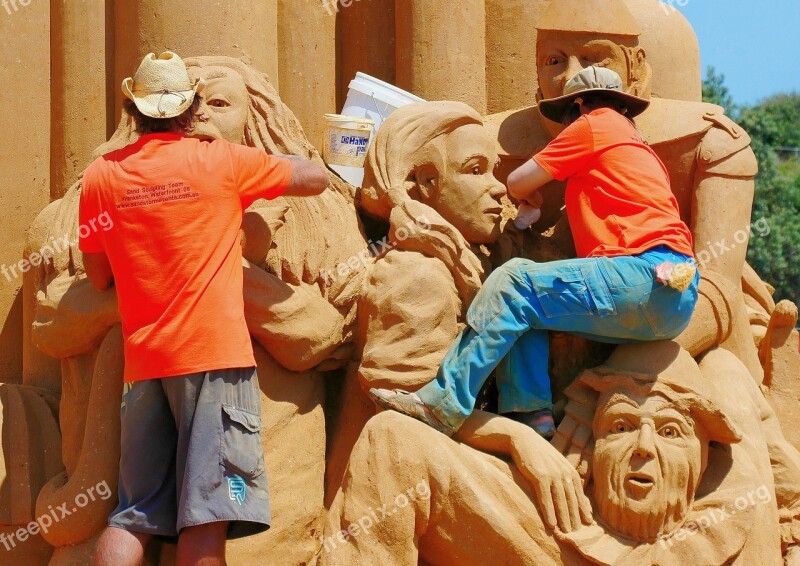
426,179
639,71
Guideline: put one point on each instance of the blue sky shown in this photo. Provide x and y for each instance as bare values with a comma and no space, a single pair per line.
754,43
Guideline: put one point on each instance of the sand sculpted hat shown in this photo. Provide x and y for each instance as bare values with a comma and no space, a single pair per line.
612,17
591,80
161,88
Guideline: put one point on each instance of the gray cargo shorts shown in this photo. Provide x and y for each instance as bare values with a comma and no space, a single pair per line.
191,454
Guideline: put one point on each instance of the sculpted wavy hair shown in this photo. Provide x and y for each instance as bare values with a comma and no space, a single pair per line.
390,189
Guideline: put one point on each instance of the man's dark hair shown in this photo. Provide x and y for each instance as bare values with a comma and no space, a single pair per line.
184,122
593,101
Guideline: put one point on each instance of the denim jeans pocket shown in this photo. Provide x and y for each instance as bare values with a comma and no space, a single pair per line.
668,311
570,290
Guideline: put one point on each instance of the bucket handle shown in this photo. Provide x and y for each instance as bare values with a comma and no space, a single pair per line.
378,110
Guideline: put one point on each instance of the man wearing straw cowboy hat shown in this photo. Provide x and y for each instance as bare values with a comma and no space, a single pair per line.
191,461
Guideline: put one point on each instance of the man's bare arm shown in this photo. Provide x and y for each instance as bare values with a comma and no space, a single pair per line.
308,178
98,270
558,486
524,183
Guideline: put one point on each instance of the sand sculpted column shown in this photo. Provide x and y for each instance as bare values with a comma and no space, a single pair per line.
511,78
667,37
244,29
307,64
365,38
441,50
24,159
78,88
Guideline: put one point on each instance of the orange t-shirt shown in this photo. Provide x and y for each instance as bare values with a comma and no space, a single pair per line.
175,206
619,200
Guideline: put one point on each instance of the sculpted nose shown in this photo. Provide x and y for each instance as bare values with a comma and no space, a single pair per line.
573,68
645,445
202,113
498,190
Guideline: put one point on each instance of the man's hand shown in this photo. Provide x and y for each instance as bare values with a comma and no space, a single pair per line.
535,199
558,487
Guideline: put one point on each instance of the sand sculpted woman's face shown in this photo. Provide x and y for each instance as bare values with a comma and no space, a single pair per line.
468,194
223,114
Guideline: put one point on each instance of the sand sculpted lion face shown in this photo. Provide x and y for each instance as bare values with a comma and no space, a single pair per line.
647,465
223,114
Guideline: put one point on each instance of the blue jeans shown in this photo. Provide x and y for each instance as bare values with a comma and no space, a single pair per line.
614,300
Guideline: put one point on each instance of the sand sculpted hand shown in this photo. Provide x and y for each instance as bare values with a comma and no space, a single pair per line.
556,483
558,487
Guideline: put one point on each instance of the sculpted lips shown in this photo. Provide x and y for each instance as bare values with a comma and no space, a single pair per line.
639,483
494,210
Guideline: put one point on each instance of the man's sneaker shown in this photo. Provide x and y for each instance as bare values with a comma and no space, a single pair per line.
408,404
541,421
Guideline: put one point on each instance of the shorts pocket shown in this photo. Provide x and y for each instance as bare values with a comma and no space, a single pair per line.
571,290
240,451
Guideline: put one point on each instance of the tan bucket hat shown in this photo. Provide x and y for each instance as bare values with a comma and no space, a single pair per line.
161,88
589,80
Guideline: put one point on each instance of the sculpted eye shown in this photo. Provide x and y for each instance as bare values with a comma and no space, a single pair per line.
218,103
477,170
552,60
670,431
619,427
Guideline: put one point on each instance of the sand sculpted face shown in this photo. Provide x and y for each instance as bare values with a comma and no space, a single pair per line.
223,114
561,56
647,464
467,193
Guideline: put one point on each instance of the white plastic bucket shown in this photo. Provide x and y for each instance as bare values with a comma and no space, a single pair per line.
374,99
353,175
346,140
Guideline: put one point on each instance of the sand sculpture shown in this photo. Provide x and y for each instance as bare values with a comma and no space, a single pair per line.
300,321
430,178
675,463
708,156
356,289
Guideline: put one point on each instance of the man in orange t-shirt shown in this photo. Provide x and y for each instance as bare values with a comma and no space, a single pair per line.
635,278
191,460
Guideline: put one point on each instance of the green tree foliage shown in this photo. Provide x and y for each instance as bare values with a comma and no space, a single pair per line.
773,123
715,91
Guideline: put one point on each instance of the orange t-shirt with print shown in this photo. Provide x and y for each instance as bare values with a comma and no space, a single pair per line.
619,200
174,207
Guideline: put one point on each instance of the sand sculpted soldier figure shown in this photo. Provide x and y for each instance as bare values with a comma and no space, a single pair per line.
708,157
284,292
674,462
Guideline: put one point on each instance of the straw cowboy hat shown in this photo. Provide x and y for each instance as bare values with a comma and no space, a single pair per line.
161,87
591,80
